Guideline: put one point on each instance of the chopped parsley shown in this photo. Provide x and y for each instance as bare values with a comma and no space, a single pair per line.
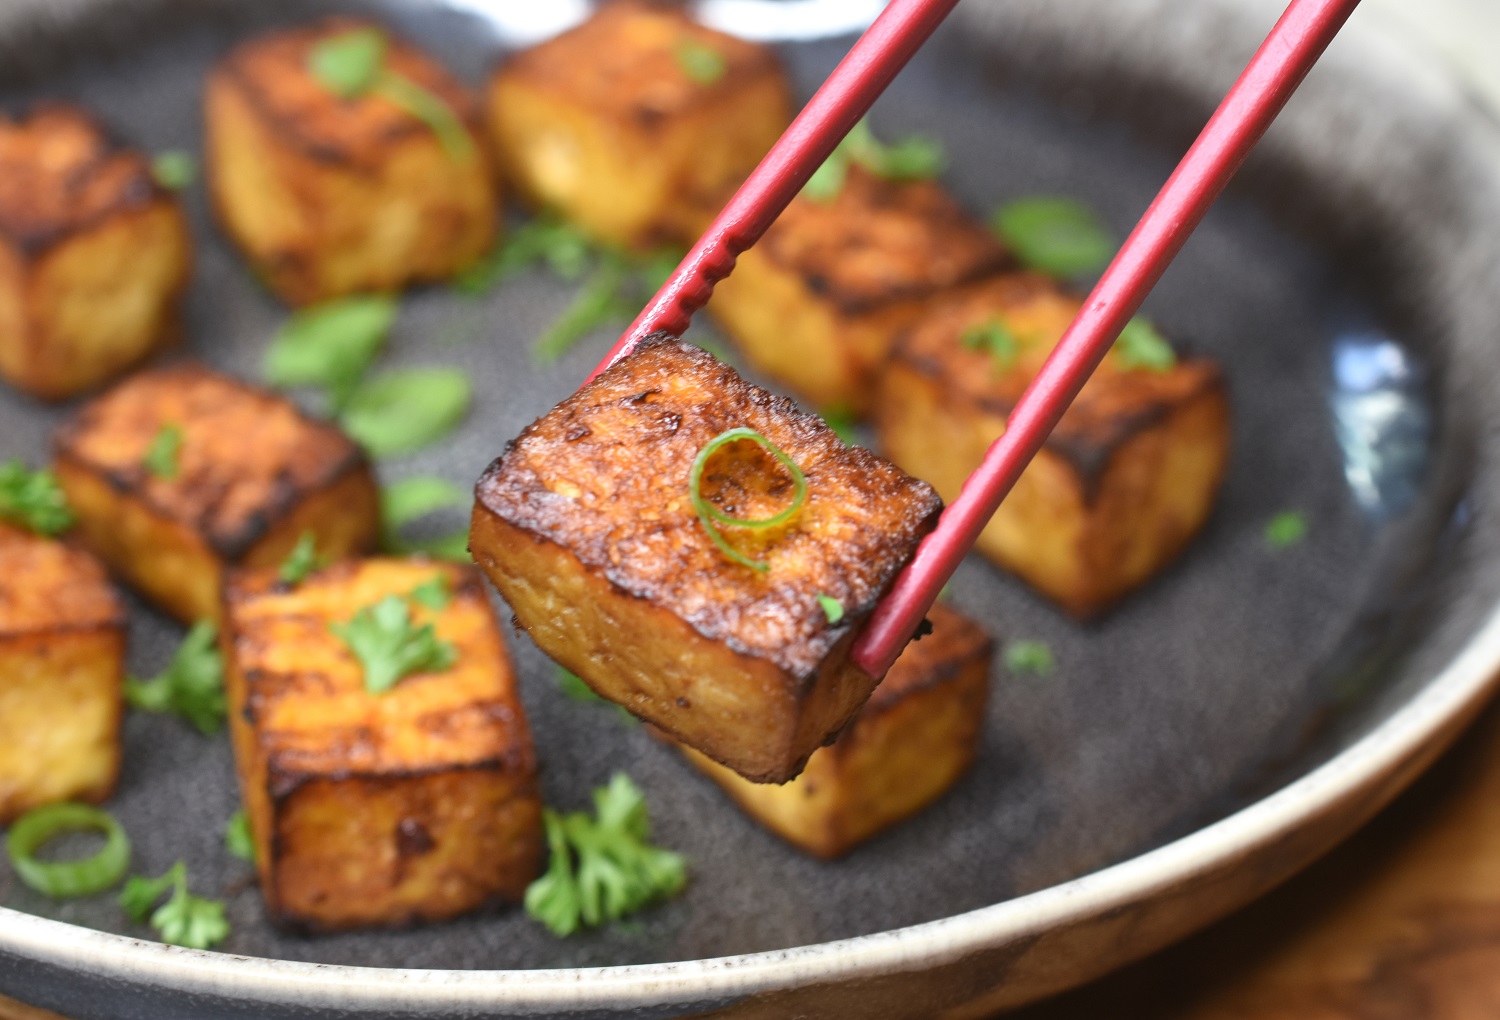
185,919
1033,657
192,685
238,839
301,561
403,410
330,345
546,240
602,868
700,62
174,169
842,420
911,159
435,593
33,499
390,647
404,502
162,457
994,338
1286,529
1057,236
1141,346
832,608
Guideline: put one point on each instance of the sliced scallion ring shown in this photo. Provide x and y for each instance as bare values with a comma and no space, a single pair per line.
711,515
67,878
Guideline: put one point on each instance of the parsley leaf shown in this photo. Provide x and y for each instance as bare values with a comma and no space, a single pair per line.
301,561
330,345
191,686
238,839
1141,346
596,305
406,409
842,421
911,159
434,593
832,608
602,868
700,62
412,498
185,919
389,647
1057,236
33,499
995,338
174,169
574,689
1029,657
162,456
430,109
546,240
1286,529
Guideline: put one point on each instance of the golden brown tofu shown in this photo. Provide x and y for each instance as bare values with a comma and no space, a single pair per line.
329,196
587,526
913,739
415,804
1128,476
637,125
62,653
94,256
819,301
248,476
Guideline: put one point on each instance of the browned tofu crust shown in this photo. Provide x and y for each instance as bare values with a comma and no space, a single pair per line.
954,642
61,174
415,804
48,585
604,474
879,242
270,72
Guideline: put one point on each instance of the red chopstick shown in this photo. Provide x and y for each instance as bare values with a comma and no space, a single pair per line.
1278,67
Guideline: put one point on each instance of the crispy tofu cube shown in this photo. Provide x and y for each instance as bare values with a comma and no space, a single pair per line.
819,301
62,654
1127,478
416,804
587,526
913,739
94,256
329,196
637,125
249,476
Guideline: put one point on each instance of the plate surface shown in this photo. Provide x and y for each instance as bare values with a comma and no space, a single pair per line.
1348,284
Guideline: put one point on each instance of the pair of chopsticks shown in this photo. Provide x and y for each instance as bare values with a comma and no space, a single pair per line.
1273,74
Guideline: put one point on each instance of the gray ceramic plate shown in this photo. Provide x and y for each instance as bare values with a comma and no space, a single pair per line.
1231,721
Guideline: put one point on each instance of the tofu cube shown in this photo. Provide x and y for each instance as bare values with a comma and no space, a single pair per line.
329,196
1126,479
912,741
587,526
94,255
366,809
638,124
250,474
819,301
62,654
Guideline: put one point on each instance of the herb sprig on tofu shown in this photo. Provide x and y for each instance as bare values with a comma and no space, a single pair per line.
301,561
390,647
603,868
911,159
191,686
185,919
162,458
33,499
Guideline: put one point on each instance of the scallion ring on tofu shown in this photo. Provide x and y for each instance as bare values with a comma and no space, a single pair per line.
67,878
712,516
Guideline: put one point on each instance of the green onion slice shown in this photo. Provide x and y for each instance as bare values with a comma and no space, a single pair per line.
67,878
711,515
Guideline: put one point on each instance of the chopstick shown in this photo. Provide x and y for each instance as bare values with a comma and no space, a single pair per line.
1278,67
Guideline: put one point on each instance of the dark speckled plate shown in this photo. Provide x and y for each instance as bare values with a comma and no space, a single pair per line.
1230,721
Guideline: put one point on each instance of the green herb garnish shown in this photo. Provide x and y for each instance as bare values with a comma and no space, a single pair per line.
602,868
406,409
573,687
174,169
301,561
435,593
700,62
192,685
389,647
410,499
60,879
1286,529
842,420
1141,346
598,303
238,839
352,64
1057,236
162,456
711,516
546,240
911,159
185,919
1029,657
330,345
832,608
995,339
33,499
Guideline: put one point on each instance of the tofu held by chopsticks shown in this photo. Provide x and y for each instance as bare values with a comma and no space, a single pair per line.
608,525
